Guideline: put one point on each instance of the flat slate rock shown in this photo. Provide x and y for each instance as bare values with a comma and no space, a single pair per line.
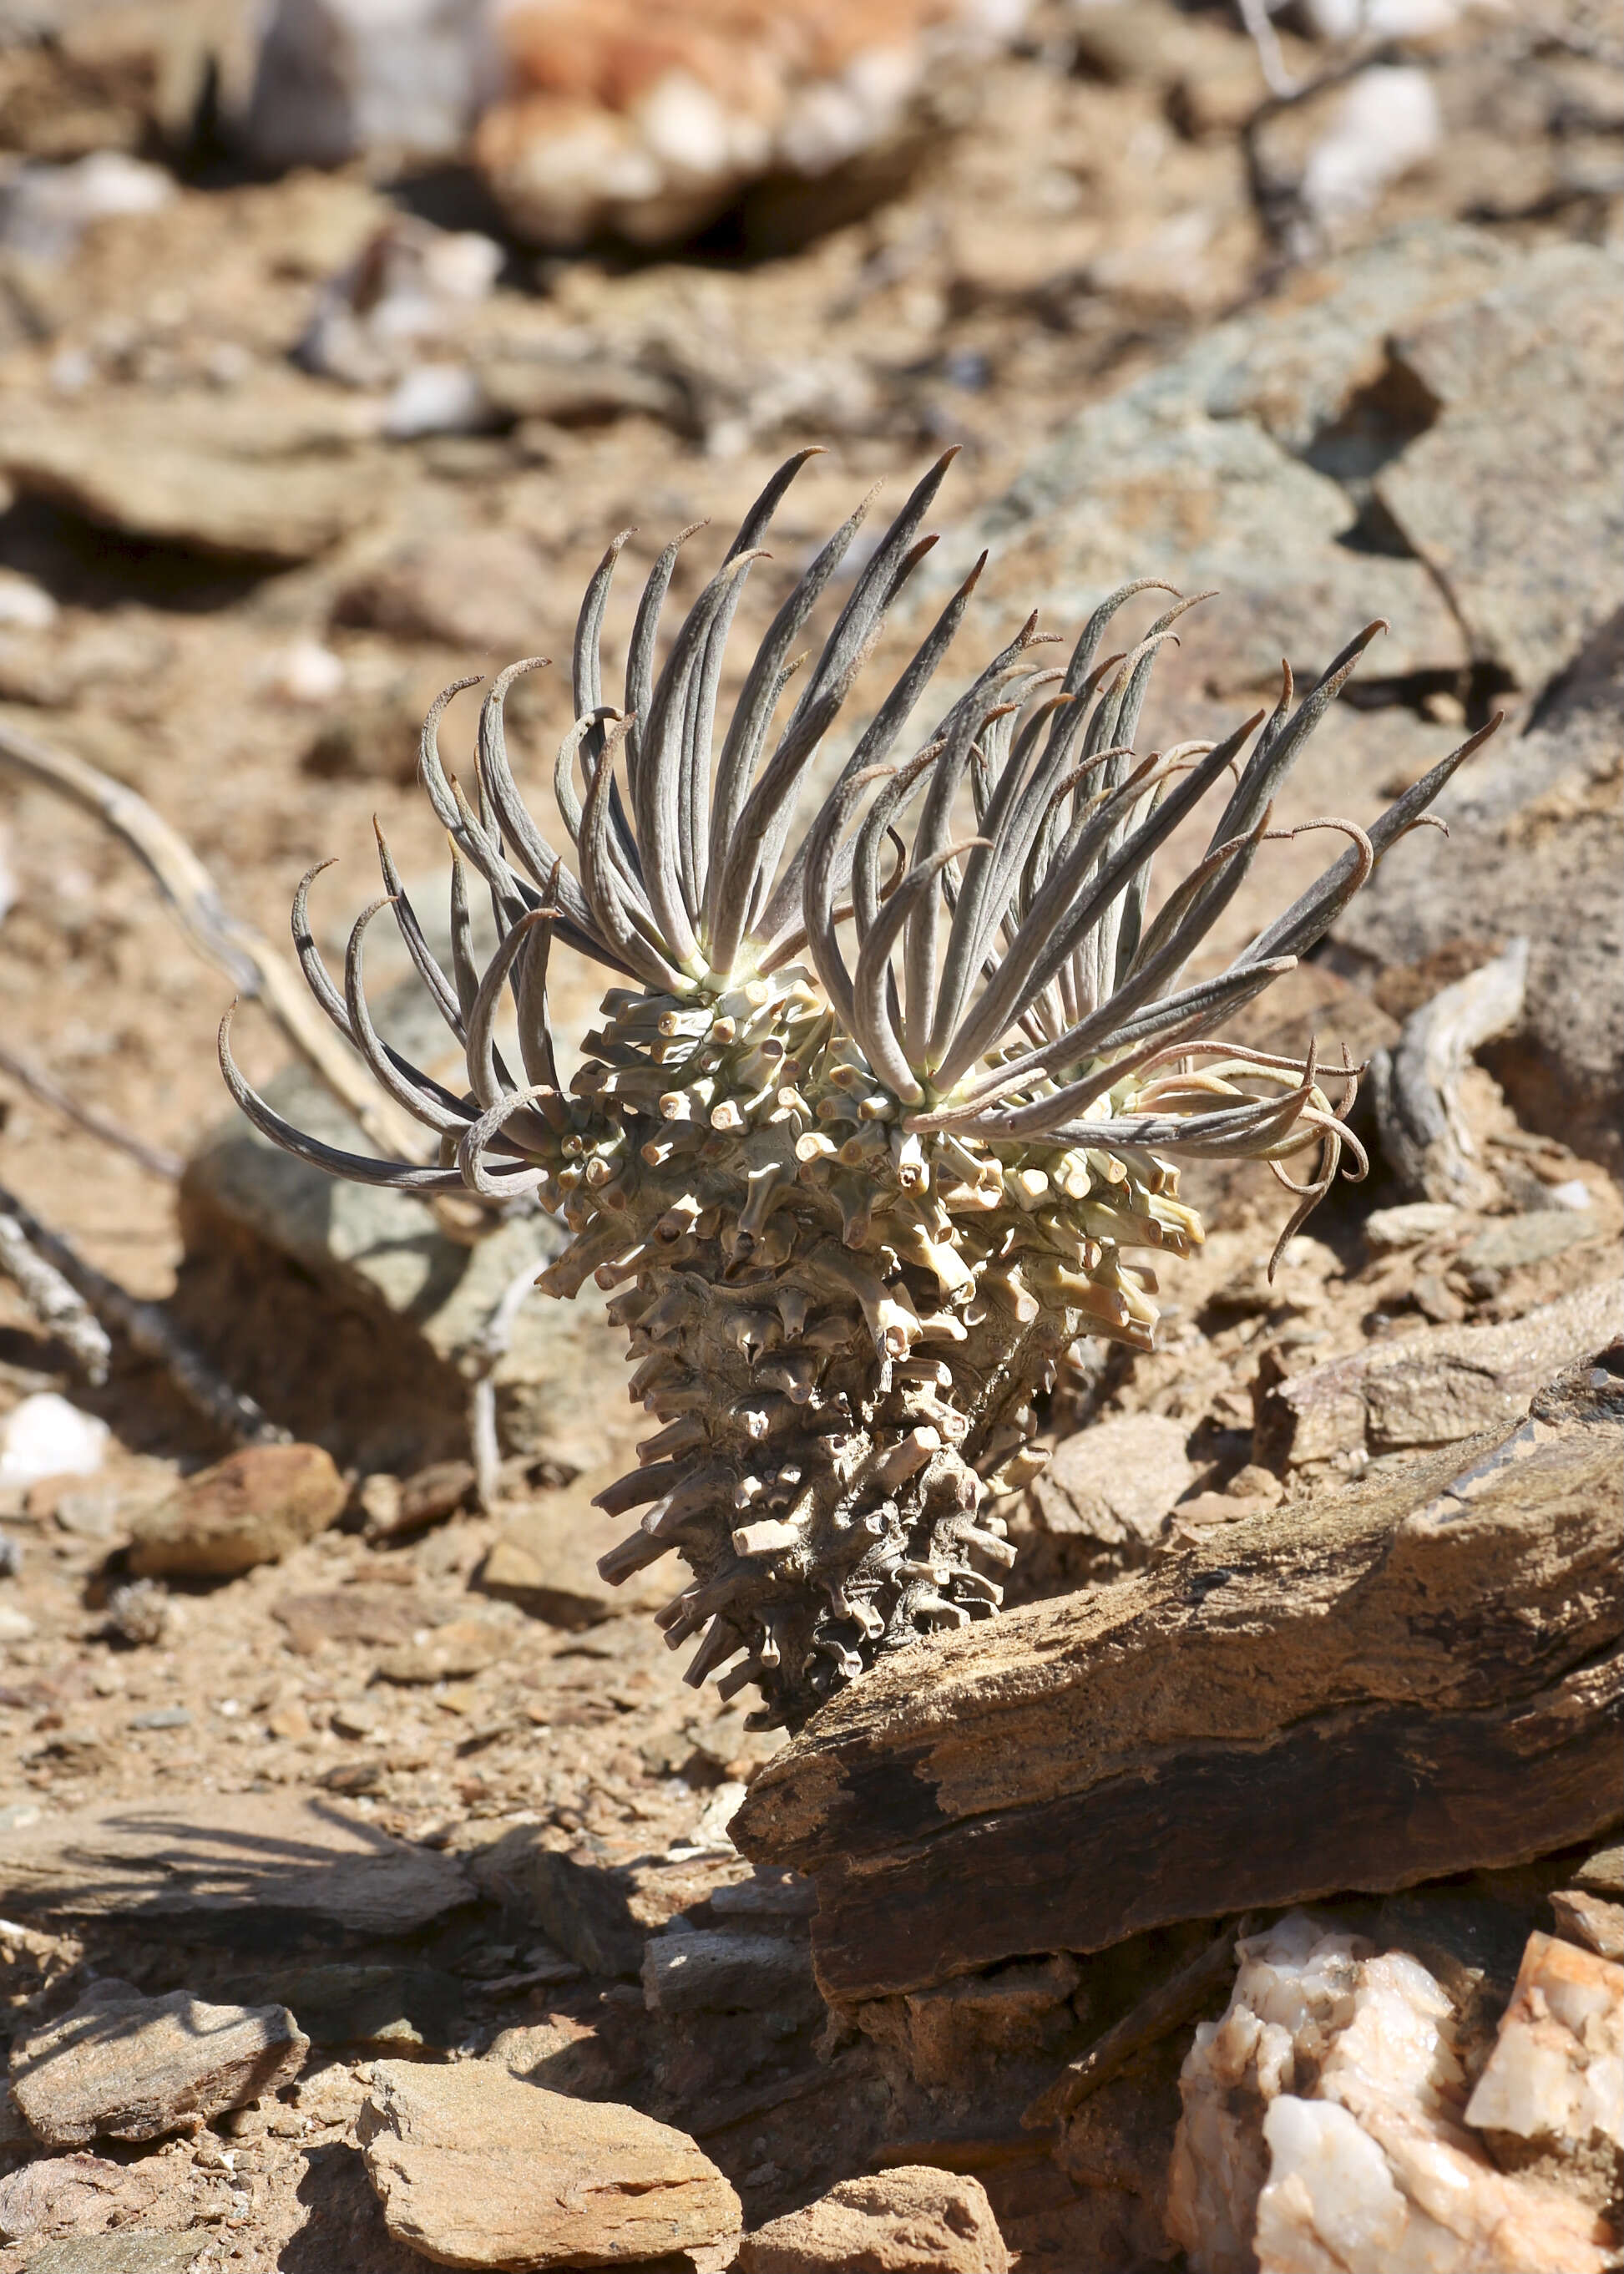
1419,1675
154,472
474,2167
262,1857
143,2251
122,2065
598,1903
1435,1388
1511,497
381,2007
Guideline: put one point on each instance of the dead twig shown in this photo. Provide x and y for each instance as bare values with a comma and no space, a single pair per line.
59,1306
1260,31
495,1338
255,968
157,1160
1167,2007
1416,1084
1276,200
144,1325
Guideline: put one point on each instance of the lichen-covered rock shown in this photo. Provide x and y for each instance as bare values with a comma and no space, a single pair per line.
1535,839
1506,497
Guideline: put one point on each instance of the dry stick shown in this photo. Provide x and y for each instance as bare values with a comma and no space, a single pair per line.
57,1305
148,1329
491,1347
1416,1083
1167,2007
157,1159
267,977
1277,203
1260,31
255,968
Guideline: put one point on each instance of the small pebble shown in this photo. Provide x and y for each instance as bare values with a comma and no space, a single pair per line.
45,1436
25,607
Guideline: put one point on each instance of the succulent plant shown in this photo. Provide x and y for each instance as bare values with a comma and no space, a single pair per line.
860,1153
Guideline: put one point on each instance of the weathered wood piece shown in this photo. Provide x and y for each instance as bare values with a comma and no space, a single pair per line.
1417,1084
1413,1676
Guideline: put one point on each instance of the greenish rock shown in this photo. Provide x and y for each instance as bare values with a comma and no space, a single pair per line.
1246,464
1511,496
128,2251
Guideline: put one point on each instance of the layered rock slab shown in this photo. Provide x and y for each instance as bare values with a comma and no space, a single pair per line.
124,2067
253,1859
1088,1768
1434,1389
475,2168
913,2219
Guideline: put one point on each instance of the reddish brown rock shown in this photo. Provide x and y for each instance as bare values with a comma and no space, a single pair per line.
913,2220
124,2067
475,2168
253,1508
81,2194
647,117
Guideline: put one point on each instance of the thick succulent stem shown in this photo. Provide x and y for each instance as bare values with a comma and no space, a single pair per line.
839,1324
853,1212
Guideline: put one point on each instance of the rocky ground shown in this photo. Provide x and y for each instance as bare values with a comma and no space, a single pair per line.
397,1781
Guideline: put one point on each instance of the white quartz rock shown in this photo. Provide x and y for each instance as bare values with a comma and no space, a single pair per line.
1555,2079
1294,1990
1323,2129
45,1436
1388,122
